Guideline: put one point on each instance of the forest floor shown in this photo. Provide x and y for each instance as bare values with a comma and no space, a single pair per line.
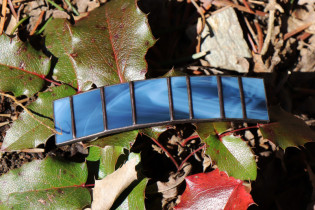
277,43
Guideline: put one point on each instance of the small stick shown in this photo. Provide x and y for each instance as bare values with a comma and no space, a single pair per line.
30,113
251,30
247,6
5,115
304,36
3,14
12,9
297,30
4,123
260,36
39,20
239,7
35,150
200,11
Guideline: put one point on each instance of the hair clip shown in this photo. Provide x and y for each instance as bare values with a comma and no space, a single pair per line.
146,103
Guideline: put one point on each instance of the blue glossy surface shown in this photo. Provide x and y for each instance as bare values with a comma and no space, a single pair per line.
255,98
151,99
180,98
231,97
88,114
118,106
205,100
62,115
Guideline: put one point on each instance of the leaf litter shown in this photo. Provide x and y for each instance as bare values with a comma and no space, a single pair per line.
280,37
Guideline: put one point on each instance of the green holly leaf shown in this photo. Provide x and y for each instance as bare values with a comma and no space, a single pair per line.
124,139
107,47
108,160
286,130
45,184
230,153
22,68
26,132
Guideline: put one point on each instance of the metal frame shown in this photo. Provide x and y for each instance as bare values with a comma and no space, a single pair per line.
172,121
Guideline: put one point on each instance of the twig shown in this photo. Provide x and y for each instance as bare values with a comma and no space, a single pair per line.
260,36
4,123
35,150
297,30
12,9
39,20
3,15
30,113
304,36
272,7
203,23
5,115
251,30
239,7
18,24
247,6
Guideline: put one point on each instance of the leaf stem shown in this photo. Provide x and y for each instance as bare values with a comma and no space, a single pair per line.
72,7
240,129
188,139
55,5
44,26
18,24
167,152
191,154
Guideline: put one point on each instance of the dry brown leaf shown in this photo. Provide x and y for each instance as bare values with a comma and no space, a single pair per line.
107,190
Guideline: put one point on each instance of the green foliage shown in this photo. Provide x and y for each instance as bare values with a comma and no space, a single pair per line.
107,47
21,66
230,153
45,184
287,130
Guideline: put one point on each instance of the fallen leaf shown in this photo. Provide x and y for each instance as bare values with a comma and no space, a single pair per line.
214,190
287,130
105,48
21,67
43,184
107,190
230,153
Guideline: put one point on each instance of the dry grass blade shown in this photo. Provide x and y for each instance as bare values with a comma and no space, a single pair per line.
3,15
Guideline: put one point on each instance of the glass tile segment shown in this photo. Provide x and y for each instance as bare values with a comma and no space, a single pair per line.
205,98
118,106
62,116
255,98
180,98
231,97
88,113
151,97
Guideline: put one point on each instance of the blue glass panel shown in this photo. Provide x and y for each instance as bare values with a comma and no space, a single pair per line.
231,97
62,115
205,100
180,98
151,99
255,98
118,106
88,114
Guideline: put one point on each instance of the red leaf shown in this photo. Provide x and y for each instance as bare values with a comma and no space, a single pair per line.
214,190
